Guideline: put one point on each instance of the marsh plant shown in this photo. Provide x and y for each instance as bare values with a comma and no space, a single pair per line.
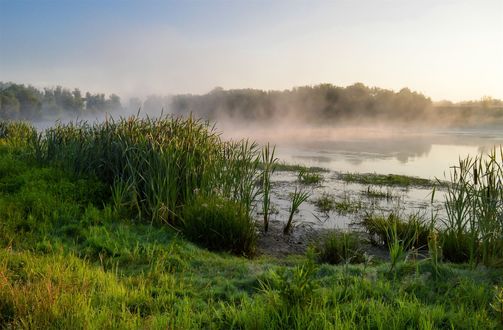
298,197
154,166
309,176
269,164
412,230
399,247
379,193
473,227
337,247
497,304
219,224
348,204
325,203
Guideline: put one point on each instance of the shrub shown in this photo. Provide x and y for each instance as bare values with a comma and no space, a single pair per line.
220,224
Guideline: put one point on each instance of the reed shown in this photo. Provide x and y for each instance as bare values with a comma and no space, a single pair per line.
269,165
298,197
473,227
154,166
387,229
337,247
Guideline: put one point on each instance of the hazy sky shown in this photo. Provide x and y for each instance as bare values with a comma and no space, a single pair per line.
445,49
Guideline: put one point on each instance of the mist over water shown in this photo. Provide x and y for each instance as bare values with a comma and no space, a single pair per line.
383,149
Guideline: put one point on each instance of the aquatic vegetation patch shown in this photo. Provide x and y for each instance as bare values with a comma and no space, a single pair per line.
309,177
335,247
412,230
325,202
379,193
473,227
281,166
386,179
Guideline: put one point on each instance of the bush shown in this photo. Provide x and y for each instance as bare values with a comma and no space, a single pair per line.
220,224
336,247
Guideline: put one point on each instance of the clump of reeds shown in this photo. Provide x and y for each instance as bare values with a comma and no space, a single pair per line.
16,133
219,224
472,231
155,166
340,247
387,230
309,176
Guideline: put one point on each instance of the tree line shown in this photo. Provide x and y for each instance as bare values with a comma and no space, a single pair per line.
20,102
319,104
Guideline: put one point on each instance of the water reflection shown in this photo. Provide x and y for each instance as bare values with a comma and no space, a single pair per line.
427,155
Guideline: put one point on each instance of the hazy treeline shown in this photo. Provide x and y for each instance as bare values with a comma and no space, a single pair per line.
320,104
323,103
20,102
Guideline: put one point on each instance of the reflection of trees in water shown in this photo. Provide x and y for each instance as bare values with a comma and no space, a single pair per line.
401,147
356,151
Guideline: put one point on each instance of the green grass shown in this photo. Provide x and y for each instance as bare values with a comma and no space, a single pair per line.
70,258
387,180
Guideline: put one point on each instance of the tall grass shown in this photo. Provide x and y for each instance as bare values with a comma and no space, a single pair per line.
155,166
159,164
473,228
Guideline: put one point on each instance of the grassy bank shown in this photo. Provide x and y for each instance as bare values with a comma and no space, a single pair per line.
73,257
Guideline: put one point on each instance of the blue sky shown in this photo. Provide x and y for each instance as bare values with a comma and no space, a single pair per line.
445,49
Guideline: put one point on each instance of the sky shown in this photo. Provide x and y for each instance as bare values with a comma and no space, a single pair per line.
445,49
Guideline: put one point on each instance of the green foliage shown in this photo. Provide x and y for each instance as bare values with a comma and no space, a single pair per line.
20,102
337,247
220,224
